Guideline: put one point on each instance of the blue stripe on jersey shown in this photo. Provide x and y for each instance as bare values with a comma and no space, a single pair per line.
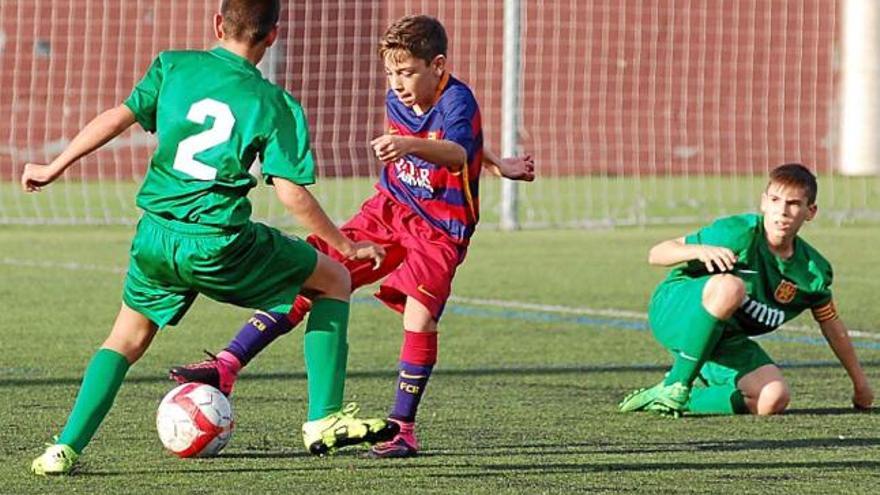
454,228
424,186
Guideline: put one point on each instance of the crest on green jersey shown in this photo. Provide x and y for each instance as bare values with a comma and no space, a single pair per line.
785,292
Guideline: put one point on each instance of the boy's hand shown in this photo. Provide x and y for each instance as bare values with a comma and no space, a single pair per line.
389,147
366,250
863,397
37,175
715,258
518,168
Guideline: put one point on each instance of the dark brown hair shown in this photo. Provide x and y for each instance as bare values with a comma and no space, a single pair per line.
249,21
421,36
796,175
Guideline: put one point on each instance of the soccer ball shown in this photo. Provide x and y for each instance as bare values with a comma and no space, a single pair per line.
194,420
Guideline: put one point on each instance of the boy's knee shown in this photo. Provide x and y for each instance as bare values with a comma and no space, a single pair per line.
773,399
338,281
341,277
723,294
330,279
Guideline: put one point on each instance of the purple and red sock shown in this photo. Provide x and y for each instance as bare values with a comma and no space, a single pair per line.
259,331
418,354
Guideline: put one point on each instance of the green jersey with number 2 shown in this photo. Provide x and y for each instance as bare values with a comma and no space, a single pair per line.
214,114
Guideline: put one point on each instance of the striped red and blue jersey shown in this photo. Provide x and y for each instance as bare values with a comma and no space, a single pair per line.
447,199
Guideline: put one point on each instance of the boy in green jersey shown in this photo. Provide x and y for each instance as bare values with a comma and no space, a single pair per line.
742,276
214,114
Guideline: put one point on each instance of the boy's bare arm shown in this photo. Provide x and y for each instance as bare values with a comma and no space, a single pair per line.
836,334
443,152
513,168
308,212
95,134
675,251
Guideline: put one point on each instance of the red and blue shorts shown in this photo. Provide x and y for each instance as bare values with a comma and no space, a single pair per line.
420,259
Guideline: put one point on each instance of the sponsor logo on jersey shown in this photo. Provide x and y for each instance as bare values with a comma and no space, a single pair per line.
762,313
785,292
434,135
413,176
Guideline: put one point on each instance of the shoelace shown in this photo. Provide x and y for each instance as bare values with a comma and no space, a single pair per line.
59,453
52,443
350,409
207,363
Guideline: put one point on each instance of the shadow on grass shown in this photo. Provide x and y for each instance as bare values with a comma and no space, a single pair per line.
829,411
652,448
506,470
386,373
472,469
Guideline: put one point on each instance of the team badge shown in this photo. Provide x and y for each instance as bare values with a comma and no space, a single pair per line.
434,135
785,292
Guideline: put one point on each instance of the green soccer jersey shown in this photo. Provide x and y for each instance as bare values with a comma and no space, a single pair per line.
214,114
777,290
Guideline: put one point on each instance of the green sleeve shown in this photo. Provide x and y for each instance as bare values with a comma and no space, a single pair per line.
287,153
144,98
825,275
735,233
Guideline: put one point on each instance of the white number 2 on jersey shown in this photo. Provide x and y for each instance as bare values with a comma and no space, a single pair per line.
218,133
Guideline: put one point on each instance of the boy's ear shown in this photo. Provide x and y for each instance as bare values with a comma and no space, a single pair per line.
438,65
811,211
218,26
272,36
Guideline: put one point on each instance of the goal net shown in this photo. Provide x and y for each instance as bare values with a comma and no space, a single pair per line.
636,111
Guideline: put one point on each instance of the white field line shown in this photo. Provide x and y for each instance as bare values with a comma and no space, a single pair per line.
72,266
471,301
619,313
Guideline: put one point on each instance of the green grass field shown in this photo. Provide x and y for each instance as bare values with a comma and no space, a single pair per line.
523,400
549,202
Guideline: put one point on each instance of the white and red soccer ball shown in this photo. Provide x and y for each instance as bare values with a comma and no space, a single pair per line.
194,420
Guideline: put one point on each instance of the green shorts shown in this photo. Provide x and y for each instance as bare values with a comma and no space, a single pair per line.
253,267
734,356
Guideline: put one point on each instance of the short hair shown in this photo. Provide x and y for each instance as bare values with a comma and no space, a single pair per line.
249,21
796,175
420,36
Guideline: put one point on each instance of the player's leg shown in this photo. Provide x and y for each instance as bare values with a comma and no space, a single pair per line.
264,269
264,327
131,335
419,289
418,355
221,370
150,301
765,391
325,344
721,296
686,318
738,375
719,396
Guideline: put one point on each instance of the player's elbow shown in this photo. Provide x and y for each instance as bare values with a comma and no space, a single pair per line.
461,155
655,257
120,118
456,156
294,197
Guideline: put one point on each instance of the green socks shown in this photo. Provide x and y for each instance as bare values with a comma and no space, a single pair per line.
100,384
703,333
718,399
326,351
